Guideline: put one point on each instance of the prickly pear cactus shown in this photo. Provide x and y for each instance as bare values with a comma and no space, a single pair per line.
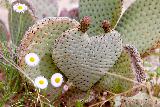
19,23
39,39
106,11
98,11
139,25
122,67
139,28
85,60
129,65
44,9
63,45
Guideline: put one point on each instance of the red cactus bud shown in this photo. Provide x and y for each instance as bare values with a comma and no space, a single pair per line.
84,24
106,26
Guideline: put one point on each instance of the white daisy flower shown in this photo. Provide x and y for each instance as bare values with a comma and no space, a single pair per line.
32,59
57,80
41,82
20,8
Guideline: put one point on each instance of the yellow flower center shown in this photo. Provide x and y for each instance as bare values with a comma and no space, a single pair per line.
20,7
32,59
57,80
41,82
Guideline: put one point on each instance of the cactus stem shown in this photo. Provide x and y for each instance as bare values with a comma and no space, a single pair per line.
106,26
84,24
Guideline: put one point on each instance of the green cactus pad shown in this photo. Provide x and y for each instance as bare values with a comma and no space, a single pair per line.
121,67
19,23
44,9
98,11
85,60
129,65
39,39
139,25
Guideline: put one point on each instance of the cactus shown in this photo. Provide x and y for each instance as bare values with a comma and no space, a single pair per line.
123,64
98,11
88,56
92,57
142,37
39,39
44,9
128,65
122,67
139,25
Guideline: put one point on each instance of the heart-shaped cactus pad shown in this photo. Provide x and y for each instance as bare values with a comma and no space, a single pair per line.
84,60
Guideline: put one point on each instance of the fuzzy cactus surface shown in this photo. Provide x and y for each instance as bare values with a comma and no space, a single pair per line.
44,9
139,25
132,69
85,60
